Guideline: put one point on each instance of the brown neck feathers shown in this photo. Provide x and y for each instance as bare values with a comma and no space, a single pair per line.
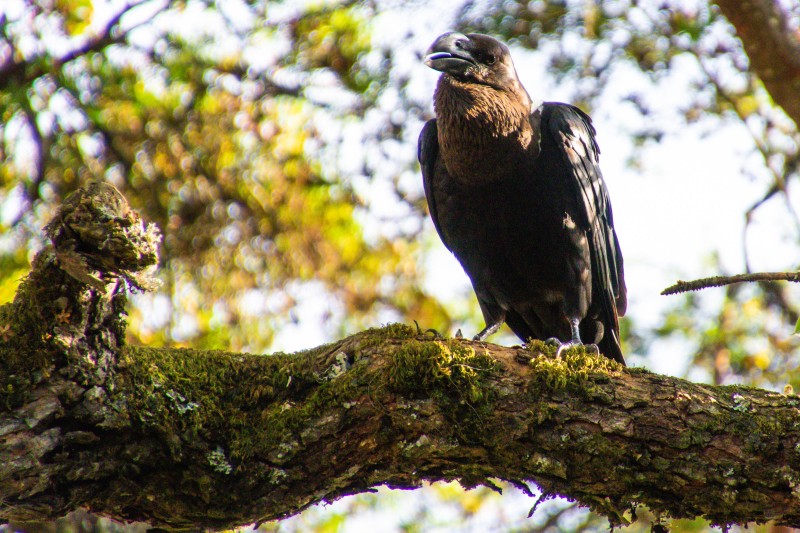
484,132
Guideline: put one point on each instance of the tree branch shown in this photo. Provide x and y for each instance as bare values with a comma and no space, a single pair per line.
187,439
773,50
719,281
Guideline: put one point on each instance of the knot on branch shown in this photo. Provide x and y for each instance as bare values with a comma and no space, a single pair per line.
97,238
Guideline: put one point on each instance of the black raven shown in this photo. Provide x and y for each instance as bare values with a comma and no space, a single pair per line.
515,192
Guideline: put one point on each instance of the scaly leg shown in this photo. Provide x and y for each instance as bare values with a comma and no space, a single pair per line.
490,329
574,324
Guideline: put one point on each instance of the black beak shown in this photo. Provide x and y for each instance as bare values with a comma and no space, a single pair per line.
450,53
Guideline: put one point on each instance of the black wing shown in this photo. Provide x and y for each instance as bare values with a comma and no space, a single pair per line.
428,154
574,134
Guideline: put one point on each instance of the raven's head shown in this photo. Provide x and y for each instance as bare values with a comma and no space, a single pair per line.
473,58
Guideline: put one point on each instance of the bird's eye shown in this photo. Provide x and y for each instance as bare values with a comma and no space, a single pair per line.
491,59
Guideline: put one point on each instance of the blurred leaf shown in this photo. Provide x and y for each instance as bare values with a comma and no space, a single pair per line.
77,14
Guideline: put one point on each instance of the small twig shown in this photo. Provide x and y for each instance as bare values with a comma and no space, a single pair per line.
719,281
543,497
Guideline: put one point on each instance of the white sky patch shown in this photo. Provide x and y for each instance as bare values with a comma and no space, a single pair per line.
313,314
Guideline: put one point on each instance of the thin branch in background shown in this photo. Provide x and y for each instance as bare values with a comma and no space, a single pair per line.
719,281
24,71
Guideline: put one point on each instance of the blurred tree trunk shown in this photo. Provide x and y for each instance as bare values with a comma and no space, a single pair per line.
773,49
187,439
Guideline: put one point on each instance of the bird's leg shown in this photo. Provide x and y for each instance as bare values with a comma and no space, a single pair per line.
574,324
490,329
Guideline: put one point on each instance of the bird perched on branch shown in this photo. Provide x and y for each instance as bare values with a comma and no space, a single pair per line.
515,192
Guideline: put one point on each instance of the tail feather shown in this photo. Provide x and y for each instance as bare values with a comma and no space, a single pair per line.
609,346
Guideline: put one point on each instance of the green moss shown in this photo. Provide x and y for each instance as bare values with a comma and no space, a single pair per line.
442,365
27,325
189,393
572,367
397,331
186,394
376,336
738,416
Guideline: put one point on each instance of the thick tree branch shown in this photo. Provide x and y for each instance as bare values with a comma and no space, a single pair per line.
773,50
186,439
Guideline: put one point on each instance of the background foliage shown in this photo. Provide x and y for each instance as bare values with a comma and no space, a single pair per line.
274,144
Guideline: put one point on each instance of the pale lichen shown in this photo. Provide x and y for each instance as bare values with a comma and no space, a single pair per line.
218,461
740,404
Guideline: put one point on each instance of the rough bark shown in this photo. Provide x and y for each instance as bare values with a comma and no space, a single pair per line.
773,50
187,439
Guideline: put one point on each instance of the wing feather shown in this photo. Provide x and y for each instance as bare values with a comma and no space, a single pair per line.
576,139
428,154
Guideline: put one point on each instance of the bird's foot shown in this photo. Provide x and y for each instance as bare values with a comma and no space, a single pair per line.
591,348
553,341
567,345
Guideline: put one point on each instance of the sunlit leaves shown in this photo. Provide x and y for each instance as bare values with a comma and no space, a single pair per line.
333,39
13,267
77,14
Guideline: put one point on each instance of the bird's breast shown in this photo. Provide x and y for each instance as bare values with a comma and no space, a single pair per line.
474,156
485,135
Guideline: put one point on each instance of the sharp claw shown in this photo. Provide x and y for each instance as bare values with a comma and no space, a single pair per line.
566,346
552,341
436,334
430,331
591,348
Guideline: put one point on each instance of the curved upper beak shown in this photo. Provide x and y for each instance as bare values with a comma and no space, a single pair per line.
450,53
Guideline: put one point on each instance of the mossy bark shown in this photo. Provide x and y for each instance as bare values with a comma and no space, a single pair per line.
187,439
